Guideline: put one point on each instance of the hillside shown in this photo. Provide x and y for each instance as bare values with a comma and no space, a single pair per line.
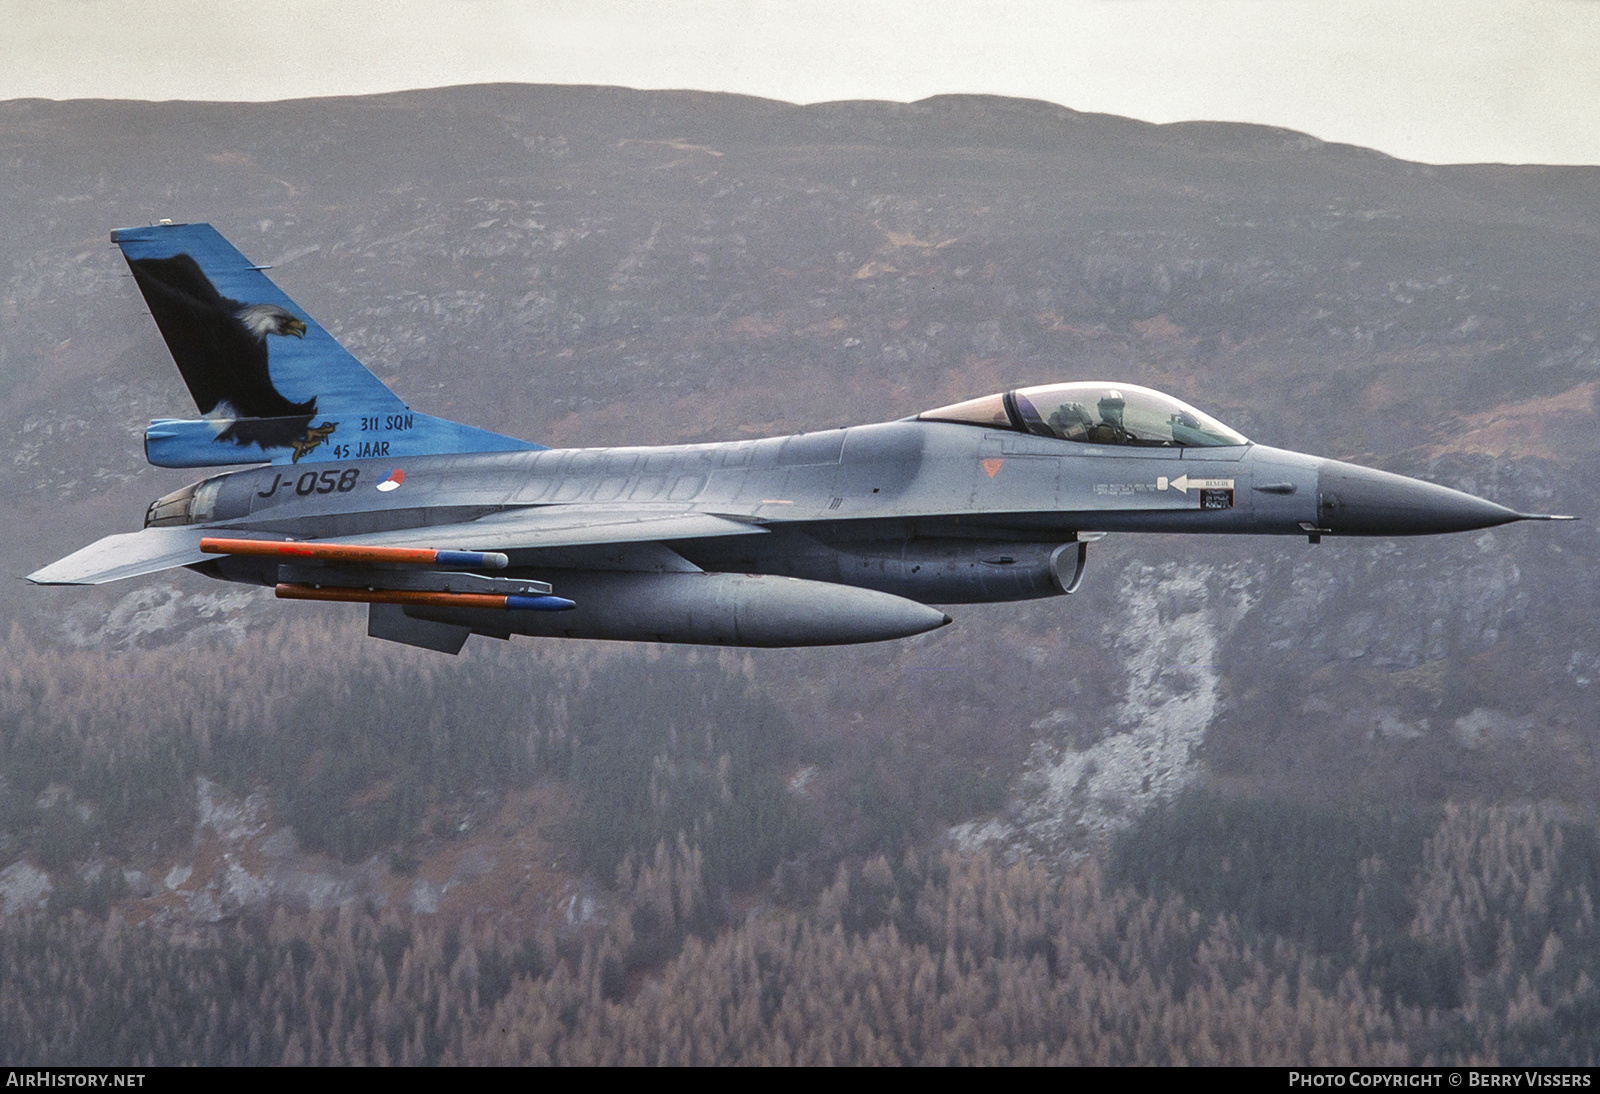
602,266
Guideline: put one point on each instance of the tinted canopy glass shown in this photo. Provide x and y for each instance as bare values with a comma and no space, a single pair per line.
989,410
1098,413
1095,413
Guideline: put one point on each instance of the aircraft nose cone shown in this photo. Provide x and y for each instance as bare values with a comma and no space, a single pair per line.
1358,501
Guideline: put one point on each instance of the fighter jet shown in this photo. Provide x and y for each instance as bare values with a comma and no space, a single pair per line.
838,536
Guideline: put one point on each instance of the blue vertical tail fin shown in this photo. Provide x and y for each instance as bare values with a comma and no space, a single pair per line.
270,382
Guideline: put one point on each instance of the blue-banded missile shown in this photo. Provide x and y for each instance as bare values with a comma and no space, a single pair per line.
495,602
539,604
342,552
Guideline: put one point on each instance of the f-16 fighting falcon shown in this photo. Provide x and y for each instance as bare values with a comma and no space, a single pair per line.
845,535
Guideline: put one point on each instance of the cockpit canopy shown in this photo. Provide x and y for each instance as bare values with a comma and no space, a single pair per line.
1094,413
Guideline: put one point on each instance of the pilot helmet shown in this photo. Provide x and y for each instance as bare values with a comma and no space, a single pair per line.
1111,405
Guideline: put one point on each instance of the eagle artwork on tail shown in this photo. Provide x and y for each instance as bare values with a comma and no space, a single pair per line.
221,348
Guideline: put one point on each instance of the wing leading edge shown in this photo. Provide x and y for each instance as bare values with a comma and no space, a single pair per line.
132,554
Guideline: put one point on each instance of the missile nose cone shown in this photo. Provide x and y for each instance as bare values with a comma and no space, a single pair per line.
1359,501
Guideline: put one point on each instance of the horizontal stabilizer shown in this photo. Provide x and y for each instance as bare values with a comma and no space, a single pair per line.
127,555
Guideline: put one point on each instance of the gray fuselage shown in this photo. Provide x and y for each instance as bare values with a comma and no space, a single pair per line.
932,511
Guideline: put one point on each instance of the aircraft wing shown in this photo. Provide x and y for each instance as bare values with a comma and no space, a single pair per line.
559,526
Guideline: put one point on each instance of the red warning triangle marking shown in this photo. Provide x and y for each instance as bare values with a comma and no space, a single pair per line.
992,466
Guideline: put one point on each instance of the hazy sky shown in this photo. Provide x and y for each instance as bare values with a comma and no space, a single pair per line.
1436,80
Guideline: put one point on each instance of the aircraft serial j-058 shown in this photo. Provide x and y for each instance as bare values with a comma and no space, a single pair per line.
844,535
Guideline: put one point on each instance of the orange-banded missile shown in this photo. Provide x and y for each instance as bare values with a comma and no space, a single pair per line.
343,552
490,601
